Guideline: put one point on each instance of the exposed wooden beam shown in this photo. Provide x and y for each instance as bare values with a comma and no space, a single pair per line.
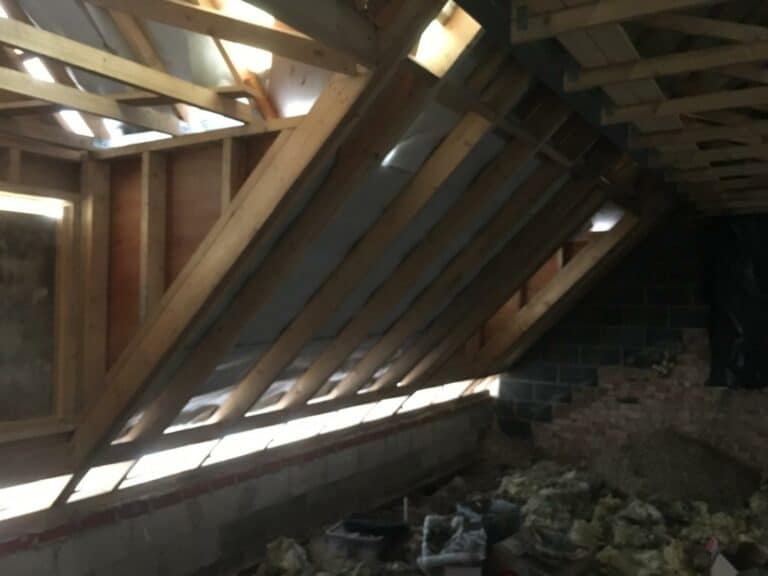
529,28
673,138
219,25
712,27
335,23
441,164
668,65
705,174
76,99
277,125
376,135
94,206
458,272
720,154
134,34
123,70
453,223
725,99
262,204
41,148
529,323
133,98
232,165
501,278
152,238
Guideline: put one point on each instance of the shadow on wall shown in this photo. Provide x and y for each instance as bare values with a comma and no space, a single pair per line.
738,281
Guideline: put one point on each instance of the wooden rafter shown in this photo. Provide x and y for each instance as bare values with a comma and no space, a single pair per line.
668,65
219,25
712,27
82,56
260,205
335,23
76,99
529,28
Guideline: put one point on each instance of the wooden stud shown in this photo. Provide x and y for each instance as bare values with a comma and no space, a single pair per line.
152,242
95,182
232,170
14,165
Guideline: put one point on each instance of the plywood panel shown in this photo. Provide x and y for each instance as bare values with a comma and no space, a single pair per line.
50,173
193,202
125,218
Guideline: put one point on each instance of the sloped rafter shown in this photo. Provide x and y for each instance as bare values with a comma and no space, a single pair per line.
549,304
409,271
261,203
335,23
376,136
82,56
210,22
407,205
502,276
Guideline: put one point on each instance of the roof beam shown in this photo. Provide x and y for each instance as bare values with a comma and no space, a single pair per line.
76,99
725,99
446,158
722,154
529,28
458,217
210,22
706,174
262,206
679,63
712,27
672,138
335,23
128,72
458,272
502,277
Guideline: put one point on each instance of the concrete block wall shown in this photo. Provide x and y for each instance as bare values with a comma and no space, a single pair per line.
630,401
217,526
634,317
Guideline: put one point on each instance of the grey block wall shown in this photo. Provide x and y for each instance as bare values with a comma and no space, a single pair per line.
218,530
634,317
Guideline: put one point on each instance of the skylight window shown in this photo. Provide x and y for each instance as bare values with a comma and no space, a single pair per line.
100,480
31,497
37,205
167,463
37,69
75,122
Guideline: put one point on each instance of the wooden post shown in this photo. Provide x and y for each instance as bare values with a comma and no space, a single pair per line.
231,170
94,238
152,243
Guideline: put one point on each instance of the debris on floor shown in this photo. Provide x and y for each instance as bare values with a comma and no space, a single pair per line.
546,520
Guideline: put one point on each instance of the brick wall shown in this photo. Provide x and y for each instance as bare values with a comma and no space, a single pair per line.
629,401
634,317
212,527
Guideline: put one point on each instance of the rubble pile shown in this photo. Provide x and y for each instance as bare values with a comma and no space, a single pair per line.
547,520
